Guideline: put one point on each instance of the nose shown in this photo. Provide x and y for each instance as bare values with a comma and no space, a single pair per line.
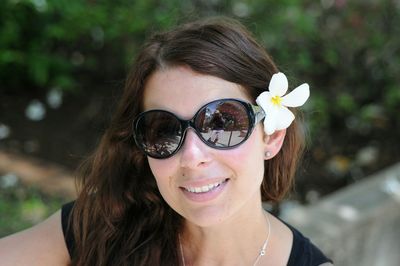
194,153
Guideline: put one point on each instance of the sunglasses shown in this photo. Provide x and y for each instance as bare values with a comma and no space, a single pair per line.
221,124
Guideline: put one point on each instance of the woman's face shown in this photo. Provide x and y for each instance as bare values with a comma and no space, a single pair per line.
232,177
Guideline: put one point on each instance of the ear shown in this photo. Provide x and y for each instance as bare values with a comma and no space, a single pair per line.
273,143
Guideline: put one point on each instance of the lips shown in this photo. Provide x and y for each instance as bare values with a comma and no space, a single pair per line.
204,190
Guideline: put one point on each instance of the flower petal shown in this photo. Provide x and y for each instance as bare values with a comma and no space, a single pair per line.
264,99
284,118
297,97
270,119
278,84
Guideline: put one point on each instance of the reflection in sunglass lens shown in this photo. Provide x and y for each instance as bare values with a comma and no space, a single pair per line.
223,123
159,133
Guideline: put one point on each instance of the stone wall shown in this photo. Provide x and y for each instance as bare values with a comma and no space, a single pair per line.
358,225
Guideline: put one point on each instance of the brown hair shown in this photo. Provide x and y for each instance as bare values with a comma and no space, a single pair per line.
120,218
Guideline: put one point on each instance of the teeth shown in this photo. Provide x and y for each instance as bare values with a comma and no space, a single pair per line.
203,189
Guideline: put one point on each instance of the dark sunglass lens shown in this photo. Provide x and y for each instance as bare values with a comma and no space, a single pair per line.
223,123
159,133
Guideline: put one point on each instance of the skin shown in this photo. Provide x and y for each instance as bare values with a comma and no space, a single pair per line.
42,245
197,164
231,228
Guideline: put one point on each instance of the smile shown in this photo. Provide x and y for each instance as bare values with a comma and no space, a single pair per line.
205,188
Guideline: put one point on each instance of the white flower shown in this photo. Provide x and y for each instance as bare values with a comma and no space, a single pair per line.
274,104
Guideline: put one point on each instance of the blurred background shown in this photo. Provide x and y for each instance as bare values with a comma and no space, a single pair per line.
63,65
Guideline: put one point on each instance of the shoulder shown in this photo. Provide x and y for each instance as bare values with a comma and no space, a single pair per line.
42,244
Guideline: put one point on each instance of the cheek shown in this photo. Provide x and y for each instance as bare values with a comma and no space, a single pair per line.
249,157
162,170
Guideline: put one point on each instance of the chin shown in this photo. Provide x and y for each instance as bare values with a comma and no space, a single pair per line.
206,216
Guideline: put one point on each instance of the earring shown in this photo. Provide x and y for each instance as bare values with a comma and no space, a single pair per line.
267,154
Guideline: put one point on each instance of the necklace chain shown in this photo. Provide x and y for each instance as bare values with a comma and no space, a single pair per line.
180,245
264,247
260,254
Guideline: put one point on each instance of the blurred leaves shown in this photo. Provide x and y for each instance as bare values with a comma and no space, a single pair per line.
48,42
22,206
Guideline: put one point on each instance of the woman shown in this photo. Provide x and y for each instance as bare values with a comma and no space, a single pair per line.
159,191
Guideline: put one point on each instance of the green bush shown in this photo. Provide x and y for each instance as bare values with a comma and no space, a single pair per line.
22,206
45,44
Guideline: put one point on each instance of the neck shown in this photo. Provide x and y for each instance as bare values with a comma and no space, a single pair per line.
236,241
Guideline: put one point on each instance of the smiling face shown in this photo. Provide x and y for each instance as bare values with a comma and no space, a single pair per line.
203,184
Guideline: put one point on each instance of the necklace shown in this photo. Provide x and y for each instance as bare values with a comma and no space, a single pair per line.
260,254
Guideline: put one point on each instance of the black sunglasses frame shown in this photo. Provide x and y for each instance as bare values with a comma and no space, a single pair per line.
254,112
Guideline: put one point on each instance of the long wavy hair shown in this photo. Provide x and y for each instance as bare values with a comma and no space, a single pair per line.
120,217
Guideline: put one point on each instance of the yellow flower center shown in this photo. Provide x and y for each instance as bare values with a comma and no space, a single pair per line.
276,100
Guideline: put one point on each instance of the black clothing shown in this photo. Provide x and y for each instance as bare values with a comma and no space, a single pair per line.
304,253
67,228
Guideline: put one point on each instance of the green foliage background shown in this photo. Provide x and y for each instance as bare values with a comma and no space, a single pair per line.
22,207
348,51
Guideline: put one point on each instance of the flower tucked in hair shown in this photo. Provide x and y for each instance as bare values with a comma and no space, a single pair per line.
274,104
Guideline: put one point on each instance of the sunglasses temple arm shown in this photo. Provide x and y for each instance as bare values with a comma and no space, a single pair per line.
258,112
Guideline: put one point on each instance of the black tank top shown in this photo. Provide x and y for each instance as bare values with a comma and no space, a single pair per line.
303,253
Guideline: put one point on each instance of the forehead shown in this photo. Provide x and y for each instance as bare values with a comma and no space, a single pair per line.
183,91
